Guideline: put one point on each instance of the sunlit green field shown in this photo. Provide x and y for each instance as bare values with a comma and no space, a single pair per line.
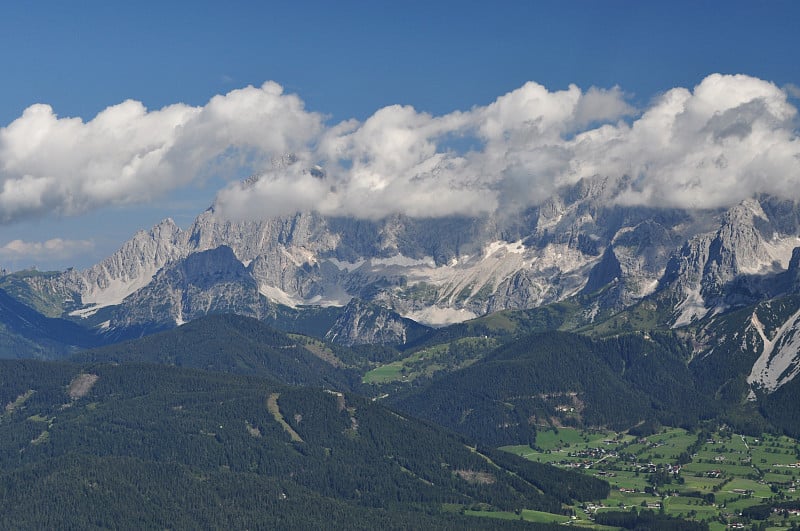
427,361
385,373
525,514
725,472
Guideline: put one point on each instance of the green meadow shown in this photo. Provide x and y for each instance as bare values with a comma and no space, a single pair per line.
707,477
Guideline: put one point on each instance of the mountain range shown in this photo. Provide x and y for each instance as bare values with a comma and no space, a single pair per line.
723,280
338,372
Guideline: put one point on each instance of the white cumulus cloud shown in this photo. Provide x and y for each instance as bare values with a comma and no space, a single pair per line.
127,154
724,140
730,137
402,161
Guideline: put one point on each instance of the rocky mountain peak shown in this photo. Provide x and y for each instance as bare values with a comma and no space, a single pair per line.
362,322
205,282
449,269
706,273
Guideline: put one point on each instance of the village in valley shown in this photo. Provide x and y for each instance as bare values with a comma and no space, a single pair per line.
728,480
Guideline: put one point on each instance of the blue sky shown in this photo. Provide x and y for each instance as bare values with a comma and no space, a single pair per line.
346,60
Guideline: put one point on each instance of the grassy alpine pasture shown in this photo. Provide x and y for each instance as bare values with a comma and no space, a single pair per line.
524,515
385,373
711,477
429,360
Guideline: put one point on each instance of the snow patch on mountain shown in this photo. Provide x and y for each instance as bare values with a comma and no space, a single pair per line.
279,296
691,308
84,313
346,266
116,289
647,288
403,261
504,247
437,316
276,294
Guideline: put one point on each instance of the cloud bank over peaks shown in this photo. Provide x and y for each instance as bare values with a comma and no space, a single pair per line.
400,160
729,138
724,140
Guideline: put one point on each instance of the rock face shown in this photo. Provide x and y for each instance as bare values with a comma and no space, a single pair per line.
720,269
757,347
608,270
365,323
792,276
777,361
205,282
444,270
130,268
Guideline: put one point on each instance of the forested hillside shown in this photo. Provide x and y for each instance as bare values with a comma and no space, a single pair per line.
133,445
237,344
558,377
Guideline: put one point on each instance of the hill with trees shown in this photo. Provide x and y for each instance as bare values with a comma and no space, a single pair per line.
143,445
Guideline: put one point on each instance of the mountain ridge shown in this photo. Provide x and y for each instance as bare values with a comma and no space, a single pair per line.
673,268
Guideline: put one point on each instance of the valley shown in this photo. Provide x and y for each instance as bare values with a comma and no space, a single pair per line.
373,367
400,266
718,477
